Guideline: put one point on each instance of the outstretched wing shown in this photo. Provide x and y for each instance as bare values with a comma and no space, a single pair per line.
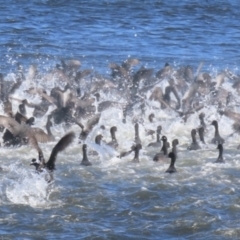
12,125
63,143
93,121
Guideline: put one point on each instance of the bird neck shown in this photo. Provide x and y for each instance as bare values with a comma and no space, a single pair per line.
164,148
216,130
173,159
201,136
136,134
158,137
113,136
194,138
85,157
48,127
136,155
220,155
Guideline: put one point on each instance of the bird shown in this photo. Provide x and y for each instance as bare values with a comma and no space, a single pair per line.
91,123
175,142
98,140
194,145
217,138
136,150
202,122
113,143
85,161
157,143
137,138
164,151
126,153
201,134
41,135
151,117
22,132
172,168
49,165
220,156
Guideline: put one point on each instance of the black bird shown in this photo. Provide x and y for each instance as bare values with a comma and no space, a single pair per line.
164,150
136,152
201,134
113,143
220,156
85,160
158,141
201,118
137,138
175,142
194,145
172,168
217,138
62,144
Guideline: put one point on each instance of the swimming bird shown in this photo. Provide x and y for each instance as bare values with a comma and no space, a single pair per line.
217,138
202,122
137,138
136,152
201,134
49,165
164,151
220,156
175,142
194,145
158,141
113,143
85,160
98,140
172,168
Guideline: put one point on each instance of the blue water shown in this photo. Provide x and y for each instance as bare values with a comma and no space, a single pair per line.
98,32
114,199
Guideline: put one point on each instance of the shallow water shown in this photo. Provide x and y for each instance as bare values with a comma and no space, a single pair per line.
116,199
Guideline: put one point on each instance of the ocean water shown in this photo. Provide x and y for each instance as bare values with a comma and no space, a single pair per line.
114,198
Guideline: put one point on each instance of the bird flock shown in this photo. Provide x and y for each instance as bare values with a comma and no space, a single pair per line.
68,95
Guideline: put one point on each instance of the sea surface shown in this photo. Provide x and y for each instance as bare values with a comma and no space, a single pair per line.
114,198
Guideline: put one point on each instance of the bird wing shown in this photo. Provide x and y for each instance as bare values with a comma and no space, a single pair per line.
62,144
93,121
12,125
48,98
40,135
